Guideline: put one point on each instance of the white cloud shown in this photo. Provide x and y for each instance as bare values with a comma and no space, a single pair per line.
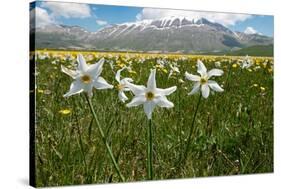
67,10
40,18
226,19
251,30
101,22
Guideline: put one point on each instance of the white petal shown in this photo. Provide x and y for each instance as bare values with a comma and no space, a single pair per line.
192,77
201,69
215,72
118,74
69,72
95,69
126,89
101,83
170,74
82,65
137,100
244,65
136,89
75,88
151,83
205,90
88,88
148,108
196,88
164,102
122,96
126,79
167,91
214,85
111,65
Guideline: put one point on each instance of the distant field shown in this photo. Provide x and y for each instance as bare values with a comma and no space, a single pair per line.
233,131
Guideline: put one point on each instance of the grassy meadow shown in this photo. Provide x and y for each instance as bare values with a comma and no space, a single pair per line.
232,134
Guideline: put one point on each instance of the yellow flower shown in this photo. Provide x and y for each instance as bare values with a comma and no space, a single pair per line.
132,72
158,66
270,70
40,90
181,81
121,65
262,89
255,85
250,70
164,70
65,111
234,65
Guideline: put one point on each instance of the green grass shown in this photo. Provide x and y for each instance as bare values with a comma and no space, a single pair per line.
233,131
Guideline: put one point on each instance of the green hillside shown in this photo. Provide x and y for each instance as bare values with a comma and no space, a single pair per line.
258,50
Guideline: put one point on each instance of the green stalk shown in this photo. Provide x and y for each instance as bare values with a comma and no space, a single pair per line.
179,123
105,141
229,75
149,151
192,127
82,150
80,143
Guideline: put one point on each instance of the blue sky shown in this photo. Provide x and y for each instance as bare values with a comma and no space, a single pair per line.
94,17
263,24
109,14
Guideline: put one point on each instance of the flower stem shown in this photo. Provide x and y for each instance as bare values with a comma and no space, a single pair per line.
105,141
192,127
229,75
82,149
149,151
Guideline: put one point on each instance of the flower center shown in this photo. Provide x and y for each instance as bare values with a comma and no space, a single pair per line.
149,95
120,87
203,81
86,79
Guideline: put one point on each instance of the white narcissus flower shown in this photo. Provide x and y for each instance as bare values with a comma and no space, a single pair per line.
160,63
247,62
86,77
122,85
218,64
111,64
174,68
43,56
150,96
202,82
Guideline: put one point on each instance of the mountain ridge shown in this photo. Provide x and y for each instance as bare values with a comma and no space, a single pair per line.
174,34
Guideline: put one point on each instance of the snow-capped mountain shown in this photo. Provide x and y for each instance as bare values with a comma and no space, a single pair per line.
171,34
163,24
